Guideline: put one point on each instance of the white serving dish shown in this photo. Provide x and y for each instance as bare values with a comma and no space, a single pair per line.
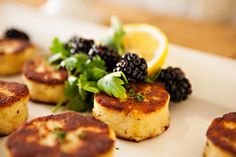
213,79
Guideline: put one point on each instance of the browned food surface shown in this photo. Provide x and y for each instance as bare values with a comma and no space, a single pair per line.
91,134
42,102
10,92
155,97
13,46
222,132
39,71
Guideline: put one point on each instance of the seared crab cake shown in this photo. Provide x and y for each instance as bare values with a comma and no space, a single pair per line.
45,83
132,119
221,137
68,134
13,54
13,106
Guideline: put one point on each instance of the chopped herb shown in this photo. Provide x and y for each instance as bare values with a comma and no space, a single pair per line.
139,96
60,134
132,92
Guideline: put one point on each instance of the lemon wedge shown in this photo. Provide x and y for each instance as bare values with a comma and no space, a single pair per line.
148,42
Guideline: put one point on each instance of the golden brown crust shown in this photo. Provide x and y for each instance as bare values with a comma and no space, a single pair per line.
10,92
45,75
44,102
94,143
133,140
154,93
14,46
222,132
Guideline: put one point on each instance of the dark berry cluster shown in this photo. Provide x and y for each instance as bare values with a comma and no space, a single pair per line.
78,44
108,54
175,83
16,34
134,67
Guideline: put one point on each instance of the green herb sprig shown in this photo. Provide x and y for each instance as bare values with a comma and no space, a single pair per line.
113,83
115,38
136,95
86,77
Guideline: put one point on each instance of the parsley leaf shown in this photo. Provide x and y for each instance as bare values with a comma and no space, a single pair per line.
76,104
83,75
113,83
60,52
71,88
58,47
95,68
70,63
96,61
86,85
97,73
115,38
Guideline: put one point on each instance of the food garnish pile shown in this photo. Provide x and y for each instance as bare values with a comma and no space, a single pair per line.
129,54
120,78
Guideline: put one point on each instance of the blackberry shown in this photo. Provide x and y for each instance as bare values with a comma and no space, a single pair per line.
175,83
134,67
16,34
108,54
78,44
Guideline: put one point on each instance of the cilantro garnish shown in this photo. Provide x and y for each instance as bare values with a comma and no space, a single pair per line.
113,83
115,38
58,47
85,77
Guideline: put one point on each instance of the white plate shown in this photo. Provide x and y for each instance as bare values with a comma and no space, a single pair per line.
213,79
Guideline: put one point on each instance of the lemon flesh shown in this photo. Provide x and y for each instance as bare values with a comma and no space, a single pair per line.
148,42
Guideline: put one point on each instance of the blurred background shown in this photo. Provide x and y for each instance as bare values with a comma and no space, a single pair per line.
207,25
